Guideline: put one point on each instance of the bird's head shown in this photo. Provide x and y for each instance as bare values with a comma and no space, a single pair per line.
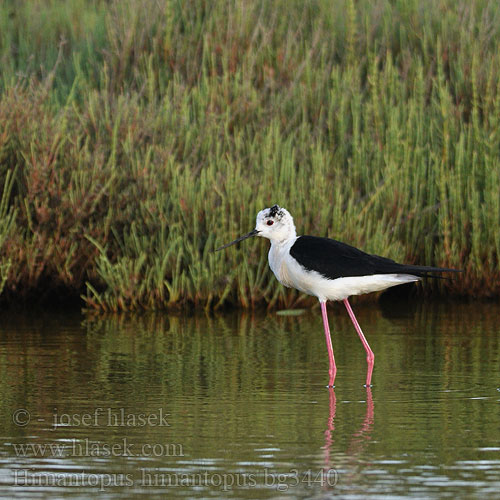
275,224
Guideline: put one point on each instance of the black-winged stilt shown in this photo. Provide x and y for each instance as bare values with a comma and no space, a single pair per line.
329,270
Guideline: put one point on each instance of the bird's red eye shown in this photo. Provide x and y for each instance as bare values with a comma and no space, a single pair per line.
270,222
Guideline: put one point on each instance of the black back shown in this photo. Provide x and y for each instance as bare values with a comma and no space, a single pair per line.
334,259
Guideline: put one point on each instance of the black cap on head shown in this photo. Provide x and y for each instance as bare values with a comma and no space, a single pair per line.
274,210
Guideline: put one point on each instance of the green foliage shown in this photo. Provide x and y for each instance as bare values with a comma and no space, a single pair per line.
7,215
137,136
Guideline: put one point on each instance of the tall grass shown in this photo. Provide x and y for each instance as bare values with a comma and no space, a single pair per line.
137,136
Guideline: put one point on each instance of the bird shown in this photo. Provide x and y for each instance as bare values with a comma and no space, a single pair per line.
329,270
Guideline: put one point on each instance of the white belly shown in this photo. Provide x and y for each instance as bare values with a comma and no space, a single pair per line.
291,274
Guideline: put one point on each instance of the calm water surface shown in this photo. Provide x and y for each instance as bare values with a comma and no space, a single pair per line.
235,406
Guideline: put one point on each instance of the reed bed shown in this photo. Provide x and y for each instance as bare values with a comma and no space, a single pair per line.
137,136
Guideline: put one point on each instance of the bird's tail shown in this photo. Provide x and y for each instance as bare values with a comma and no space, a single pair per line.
429,271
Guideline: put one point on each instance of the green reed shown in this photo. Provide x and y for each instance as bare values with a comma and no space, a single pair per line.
137,136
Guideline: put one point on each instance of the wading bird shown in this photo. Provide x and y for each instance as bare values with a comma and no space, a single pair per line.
329,270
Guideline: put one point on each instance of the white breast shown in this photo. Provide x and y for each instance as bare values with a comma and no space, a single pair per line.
277,257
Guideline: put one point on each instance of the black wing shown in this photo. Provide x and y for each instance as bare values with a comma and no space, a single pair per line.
334,259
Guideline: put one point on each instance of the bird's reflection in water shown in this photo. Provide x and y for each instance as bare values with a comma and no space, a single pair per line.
330,426
364,434
357,442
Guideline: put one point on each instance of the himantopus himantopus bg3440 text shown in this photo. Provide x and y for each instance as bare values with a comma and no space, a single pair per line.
329,270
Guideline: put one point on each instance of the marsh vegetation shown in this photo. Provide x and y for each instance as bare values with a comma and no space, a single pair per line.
137,136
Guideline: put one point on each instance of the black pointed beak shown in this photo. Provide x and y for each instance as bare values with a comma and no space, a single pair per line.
237,240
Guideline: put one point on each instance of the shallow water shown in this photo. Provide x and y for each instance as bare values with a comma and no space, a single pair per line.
235,406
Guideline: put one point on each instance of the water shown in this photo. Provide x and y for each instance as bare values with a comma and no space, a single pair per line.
235,406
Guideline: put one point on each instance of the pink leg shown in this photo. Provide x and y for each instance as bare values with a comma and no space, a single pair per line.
333,369
370,357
